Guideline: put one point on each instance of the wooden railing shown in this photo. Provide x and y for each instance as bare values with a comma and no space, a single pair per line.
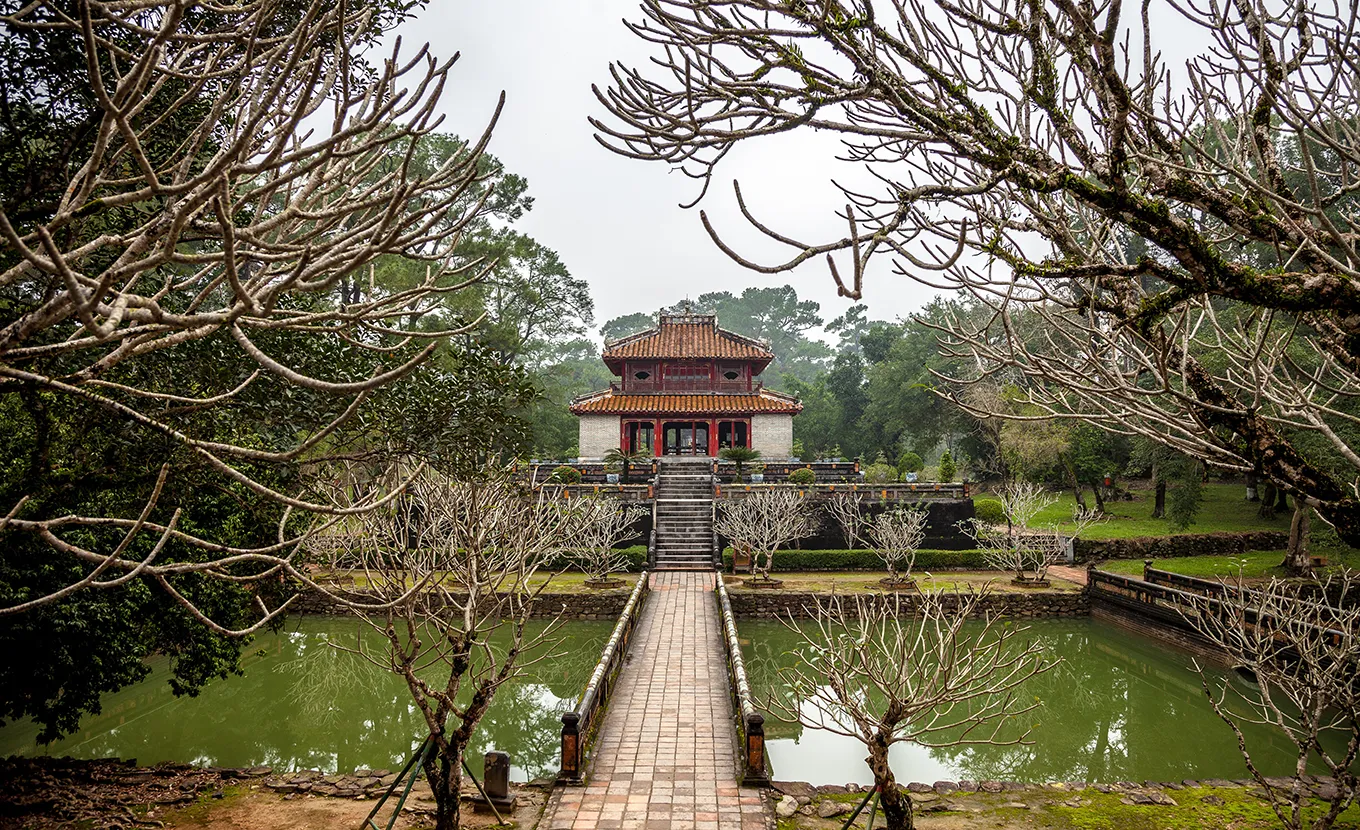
578,725
755,761
1177,605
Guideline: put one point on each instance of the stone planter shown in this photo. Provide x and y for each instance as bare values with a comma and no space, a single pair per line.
763,583
1030,583
907,584
602,584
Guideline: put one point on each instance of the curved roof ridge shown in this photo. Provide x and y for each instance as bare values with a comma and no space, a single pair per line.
688,335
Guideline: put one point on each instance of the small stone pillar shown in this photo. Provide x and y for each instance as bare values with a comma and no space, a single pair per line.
495,784
1147,566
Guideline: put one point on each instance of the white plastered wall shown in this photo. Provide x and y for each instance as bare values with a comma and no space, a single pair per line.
599,434
772,435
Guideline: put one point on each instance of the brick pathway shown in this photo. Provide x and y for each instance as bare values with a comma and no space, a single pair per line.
665,757
1077,575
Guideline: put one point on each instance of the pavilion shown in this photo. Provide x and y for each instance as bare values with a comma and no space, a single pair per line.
686,387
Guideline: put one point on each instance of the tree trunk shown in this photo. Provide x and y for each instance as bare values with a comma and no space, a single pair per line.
1100,500
1251,488
444,773
1074,483
1296,556
896,804
1159,499
1267,508
1281,499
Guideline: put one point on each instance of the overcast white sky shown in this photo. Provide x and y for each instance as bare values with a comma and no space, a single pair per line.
615,221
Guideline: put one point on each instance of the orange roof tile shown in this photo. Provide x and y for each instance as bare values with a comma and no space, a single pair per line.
609,402
687,336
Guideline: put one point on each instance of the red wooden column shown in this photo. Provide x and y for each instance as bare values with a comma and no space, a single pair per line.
657,438
713,437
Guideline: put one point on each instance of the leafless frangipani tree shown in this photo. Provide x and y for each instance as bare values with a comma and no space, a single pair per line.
1024,547
763,521
847,508
883,673
604,523
1300,644
1163,248
897,535
292,173
445,567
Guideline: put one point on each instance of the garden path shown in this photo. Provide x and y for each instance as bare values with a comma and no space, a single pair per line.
1071,574
665,757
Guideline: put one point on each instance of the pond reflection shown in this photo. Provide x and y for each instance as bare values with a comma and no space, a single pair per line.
304,704
1120,707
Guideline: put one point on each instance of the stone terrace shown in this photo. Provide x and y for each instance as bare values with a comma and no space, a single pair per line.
665,756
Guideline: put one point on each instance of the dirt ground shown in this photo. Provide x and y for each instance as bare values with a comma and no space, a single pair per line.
52,793
263,809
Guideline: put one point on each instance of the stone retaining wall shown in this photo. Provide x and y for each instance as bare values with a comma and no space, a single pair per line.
801,798
776,603
596,605
1187,544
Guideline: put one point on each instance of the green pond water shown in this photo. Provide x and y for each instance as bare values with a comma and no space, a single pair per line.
1121,707
304,704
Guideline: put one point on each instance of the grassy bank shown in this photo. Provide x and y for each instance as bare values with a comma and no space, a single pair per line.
1255,564
1224,509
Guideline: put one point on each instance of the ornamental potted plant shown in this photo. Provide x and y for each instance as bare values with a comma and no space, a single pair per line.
758,474
739,456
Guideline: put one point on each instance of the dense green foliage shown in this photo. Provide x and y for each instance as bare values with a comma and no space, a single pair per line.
803,476
64,456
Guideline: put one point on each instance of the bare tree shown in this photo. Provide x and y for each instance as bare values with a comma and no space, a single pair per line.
1300,643
847,508
446,566
876,673
763,521
292,173
605,522
1025,548
897,535
1184,238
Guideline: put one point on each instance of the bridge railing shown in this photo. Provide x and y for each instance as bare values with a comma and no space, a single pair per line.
755,761
579,724
1178,605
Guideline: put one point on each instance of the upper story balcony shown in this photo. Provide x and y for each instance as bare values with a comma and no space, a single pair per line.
654,385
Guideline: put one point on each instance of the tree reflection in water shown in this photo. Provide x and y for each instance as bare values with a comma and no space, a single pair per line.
302,704
1120,707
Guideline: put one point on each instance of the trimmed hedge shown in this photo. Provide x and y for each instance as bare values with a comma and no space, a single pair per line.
803,476
636,557
788,561
989,510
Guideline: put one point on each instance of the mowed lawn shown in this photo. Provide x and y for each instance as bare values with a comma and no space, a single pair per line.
1254,564
1224,509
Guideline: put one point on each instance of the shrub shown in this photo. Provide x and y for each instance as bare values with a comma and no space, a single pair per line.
802,476
632,558
880,473
910,462
947,468
866,560
565,474
989,511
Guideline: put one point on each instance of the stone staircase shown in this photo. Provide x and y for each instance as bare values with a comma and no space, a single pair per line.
684,513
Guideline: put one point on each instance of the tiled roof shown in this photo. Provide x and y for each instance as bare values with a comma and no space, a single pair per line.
711,403
687,336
